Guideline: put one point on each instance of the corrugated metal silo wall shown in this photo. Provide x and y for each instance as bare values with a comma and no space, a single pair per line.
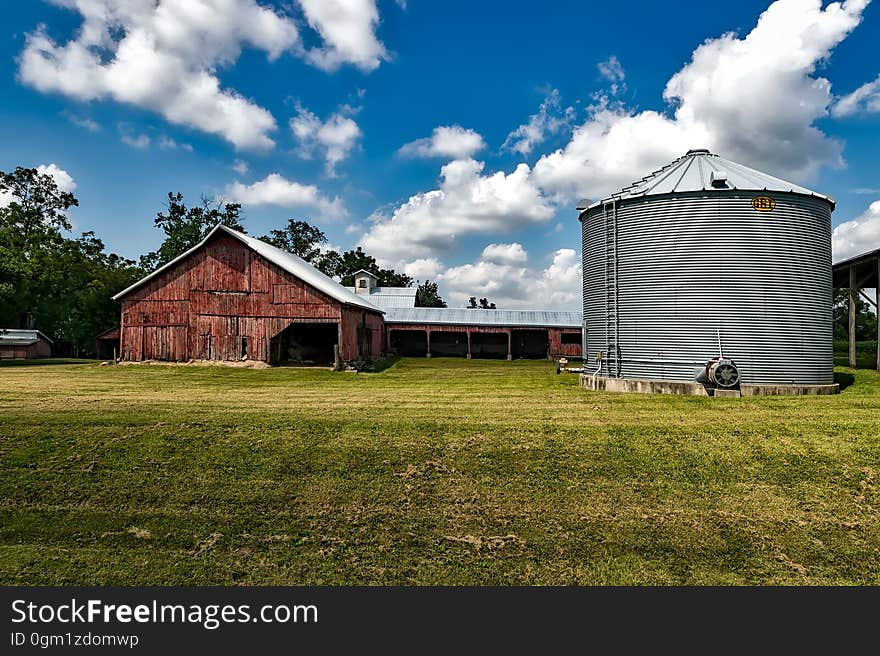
692,264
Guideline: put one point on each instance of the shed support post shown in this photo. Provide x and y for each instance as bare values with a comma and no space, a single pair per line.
509,344
852,317
428,340
388,336
339,344
469,346
877,311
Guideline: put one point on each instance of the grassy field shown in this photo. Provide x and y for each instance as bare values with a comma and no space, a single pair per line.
433,471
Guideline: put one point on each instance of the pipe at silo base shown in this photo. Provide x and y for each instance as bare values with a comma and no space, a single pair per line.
647,386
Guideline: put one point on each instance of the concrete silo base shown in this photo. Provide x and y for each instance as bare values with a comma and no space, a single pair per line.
644,386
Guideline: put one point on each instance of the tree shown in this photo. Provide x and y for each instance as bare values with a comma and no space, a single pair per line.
427,295
91,276
328,262
300,238
305,240
38,207
484,304
59,285
866,319
353,261
184,227
30,230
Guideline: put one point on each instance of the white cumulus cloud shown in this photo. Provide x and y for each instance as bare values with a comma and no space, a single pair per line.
62,178
467,202
865,99
348,28
167,143
333,138
84,122
447,141
505,254
427,268
513,284
139,141
753,99
612,71
275,189
858,236
550,119
164,56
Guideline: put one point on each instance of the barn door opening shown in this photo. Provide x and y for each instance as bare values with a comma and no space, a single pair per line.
409,343
304,344
450,344
530,344
489,345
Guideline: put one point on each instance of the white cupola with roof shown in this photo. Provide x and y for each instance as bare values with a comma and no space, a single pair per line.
364,282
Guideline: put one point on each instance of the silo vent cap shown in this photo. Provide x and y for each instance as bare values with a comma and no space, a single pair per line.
697,151
718,179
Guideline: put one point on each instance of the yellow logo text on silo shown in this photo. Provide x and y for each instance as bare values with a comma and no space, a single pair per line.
763,204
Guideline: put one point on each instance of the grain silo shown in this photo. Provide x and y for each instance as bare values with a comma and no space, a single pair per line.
708,275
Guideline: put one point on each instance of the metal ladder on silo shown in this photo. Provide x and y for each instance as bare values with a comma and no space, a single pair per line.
611,360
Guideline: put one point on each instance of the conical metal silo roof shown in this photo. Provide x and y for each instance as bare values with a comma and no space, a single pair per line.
700,170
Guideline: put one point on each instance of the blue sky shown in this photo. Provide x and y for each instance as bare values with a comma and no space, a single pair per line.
451,139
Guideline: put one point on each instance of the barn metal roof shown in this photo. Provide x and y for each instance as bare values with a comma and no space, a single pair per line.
478,317
20,337
700,170
391,297
287,261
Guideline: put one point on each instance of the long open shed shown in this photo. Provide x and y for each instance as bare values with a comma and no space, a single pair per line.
478,333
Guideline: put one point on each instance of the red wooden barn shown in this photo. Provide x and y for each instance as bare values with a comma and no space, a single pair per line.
234,297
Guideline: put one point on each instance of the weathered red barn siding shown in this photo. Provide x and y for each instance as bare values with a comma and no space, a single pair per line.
558,349
225,302
362,332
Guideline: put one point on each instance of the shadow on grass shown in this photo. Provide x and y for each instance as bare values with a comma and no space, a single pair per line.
46,361
383,364
844,380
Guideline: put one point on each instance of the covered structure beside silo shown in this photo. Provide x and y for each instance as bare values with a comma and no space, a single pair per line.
855,274
708,275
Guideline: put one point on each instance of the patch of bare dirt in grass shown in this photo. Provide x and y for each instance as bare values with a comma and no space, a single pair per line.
237,364
207,543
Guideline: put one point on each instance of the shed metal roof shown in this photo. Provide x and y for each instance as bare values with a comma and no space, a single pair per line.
700,170
478,317
391,297
20,337
865,266
287,261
